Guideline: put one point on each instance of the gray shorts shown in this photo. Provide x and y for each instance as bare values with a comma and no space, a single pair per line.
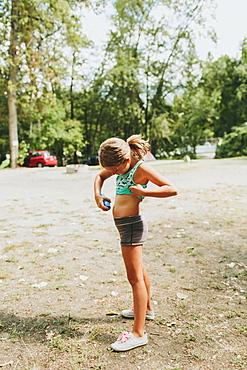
133,230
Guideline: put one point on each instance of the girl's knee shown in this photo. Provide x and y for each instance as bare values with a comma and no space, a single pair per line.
135,279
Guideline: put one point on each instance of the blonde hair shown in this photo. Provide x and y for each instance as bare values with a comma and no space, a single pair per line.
114,151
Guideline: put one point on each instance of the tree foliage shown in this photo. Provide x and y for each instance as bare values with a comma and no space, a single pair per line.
149,79
146,53
233,144
35,35
214,104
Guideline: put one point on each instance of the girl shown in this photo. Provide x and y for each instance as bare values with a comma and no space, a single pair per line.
125,159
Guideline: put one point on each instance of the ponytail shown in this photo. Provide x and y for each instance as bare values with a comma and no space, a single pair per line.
138,146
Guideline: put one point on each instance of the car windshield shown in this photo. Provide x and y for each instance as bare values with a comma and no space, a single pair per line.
47,154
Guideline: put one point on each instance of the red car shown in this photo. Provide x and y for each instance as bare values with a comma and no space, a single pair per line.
40,158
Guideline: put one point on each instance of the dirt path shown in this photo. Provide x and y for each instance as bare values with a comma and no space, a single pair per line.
61,271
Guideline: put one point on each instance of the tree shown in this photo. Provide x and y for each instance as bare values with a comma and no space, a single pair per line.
13,134
148,48
242,88
210,105
32,29
226,79
233,144
4,147
195,114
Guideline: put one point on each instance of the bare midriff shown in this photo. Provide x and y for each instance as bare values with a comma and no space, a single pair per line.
126,205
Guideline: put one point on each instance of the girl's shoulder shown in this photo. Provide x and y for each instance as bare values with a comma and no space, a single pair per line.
104,174
144,166
146,170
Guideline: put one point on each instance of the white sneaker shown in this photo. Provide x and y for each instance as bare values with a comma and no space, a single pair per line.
128,341
129,314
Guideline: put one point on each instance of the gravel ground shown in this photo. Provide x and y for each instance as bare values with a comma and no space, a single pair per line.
63,283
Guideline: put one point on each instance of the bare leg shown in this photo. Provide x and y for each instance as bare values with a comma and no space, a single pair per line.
139,281
147,283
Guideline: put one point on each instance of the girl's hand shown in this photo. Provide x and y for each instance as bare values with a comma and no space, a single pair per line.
137,190
99,201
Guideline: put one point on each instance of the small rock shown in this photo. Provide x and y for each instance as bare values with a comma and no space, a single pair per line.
40,285
52,250
171,324
83,277
182,296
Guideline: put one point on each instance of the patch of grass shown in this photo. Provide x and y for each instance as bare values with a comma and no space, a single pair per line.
118,329
45,314
237,275
209,337
234,314
53,358
161,321
190,249
193,326
10,248
94,332
58,287
11,260
64,201
60,276
42,233
218,287
24,244
190,337
40,325
242,329
44,225
183,304
59,344
196,357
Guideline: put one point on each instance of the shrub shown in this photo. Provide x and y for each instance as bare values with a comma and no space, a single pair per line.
233,144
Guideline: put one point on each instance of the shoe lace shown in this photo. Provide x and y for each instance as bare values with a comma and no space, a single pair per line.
123,337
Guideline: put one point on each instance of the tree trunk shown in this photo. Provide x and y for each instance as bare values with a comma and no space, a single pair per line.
13,132
72,115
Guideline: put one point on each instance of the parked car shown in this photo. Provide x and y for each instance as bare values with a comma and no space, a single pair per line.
40,158
92,160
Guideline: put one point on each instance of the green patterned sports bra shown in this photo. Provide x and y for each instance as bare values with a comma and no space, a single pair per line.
123,182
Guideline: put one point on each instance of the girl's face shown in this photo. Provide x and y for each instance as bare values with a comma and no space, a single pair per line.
121,169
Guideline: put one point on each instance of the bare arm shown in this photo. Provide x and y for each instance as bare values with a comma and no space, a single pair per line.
164,188
98,183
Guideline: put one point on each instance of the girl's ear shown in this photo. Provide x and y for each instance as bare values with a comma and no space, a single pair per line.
128,160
